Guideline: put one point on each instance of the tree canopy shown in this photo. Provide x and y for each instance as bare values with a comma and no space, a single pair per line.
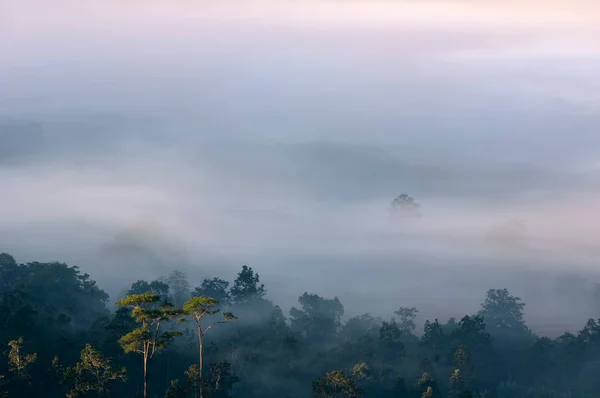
62,340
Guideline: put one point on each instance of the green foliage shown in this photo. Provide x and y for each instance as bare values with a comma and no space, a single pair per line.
462,358
217,288
9,272
149,334
54,294
318,317
158,288
358,326
503,315
148,338
18,314
336,384
428,387
428,393
18,361
263,356
193,377
139,300
140,339
220,381
93,372
200,305
390,338
471,333
198,308
456,381
247,287
362,372
434,339
176,390
277,324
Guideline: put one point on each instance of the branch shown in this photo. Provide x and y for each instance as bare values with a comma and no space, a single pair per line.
153,344
210,326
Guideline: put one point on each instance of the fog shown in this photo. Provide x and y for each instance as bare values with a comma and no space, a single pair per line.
202,137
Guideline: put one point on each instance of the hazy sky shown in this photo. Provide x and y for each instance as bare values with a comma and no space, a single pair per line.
205,135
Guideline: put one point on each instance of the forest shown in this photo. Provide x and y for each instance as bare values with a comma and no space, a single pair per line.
61,335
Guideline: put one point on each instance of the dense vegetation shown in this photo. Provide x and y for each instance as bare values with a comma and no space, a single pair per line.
62,337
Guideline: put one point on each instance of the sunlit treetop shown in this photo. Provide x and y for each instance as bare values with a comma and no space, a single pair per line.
136,300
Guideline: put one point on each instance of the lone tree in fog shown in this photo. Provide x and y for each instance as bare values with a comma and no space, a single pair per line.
148,338
405,205
197,308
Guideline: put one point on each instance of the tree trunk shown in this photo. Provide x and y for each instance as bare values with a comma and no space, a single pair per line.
145,376
201,346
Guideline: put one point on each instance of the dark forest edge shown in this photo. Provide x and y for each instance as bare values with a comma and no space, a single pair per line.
60,338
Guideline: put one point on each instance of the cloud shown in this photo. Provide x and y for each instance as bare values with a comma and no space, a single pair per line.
276,134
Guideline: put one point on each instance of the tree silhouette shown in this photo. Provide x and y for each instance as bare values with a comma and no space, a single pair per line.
247,287
405,205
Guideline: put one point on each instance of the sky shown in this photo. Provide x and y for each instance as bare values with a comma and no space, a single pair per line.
139,137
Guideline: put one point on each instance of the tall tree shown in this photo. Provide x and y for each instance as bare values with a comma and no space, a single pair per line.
148,338
197,308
